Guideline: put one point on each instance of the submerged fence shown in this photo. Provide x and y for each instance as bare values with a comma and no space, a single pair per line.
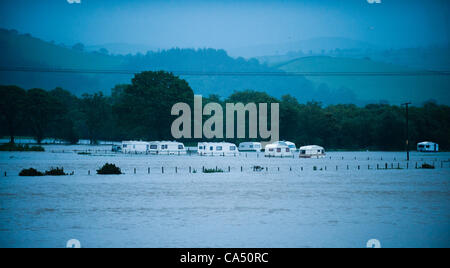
444,164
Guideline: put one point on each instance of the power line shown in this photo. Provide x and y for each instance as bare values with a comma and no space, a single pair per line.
208,73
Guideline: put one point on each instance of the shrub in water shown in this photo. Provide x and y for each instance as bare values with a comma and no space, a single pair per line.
109,169
212,170
55,172
31,172
427,166
258,168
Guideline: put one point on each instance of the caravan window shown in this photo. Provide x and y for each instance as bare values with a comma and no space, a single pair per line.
257,146
124,146
251,146
270,149
219,148
154,147
287,150
232,148
211,148
303,152
180,147
278,150
421,146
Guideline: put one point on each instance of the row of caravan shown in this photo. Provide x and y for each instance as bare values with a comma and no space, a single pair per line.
155,147
277,149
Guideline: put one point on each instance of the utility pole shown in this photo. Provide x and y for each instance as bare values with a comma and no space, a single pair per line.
407,129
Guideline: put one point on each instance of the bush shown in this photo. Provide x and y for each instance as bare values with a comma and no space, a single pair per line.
55,172
109,169
258,168
427,166
9,147
31,172
212,170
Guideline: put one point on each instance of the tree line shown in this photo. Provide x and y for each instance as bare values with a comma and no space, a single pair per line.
141,110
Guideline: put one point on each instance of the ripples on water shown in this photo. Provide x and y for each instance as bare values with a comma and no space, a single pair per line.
344,208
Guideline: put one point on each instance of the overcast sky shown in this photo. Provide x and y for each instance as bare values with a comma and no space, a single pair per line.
229,24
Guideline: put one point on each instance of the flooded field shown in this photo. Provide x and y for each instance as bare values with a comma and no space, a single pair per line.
340,201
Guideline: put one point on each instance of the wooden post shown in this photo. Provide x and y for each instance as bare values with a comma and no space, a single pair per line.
148,171
229,169
359,167
336,168
162,170
378,166
5,173
134,170
386,166
89,172
176,169
190,169
242,168
348,167
290,168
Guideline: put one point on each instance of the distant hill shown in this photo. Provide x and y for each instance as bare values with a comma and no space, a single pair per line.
17,50
308,46
394,89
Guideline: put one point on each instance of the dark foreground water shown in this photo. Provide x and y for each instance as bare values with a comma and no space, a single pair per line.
286,208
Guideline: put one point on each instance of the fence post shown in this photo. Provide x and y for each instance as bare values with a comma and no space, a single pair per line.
190,169
162,170
348,167
336,168
359,167
242,168
89,172
378,166
176,169
134,170
148,171
386,166
229,169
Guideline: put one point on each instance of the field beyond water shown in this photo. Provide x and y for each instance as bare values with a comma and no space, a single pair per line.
343,202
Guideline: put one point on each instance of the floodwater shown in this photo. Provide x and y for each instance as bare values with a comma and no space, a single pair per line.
288,205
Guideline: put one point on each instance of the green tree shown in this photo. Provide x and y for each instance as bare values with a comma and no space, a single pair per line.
144,107
42,109
12,103
97,116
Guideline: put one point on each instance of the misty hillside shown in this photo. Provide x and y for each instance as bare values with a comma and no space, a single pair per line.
17,50
394,89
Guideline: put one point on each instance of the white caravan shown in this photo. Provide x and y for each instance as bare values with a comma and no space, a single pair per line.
135,147
250,147
278,149
167,148
312,151
427,146
291,146
217,149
